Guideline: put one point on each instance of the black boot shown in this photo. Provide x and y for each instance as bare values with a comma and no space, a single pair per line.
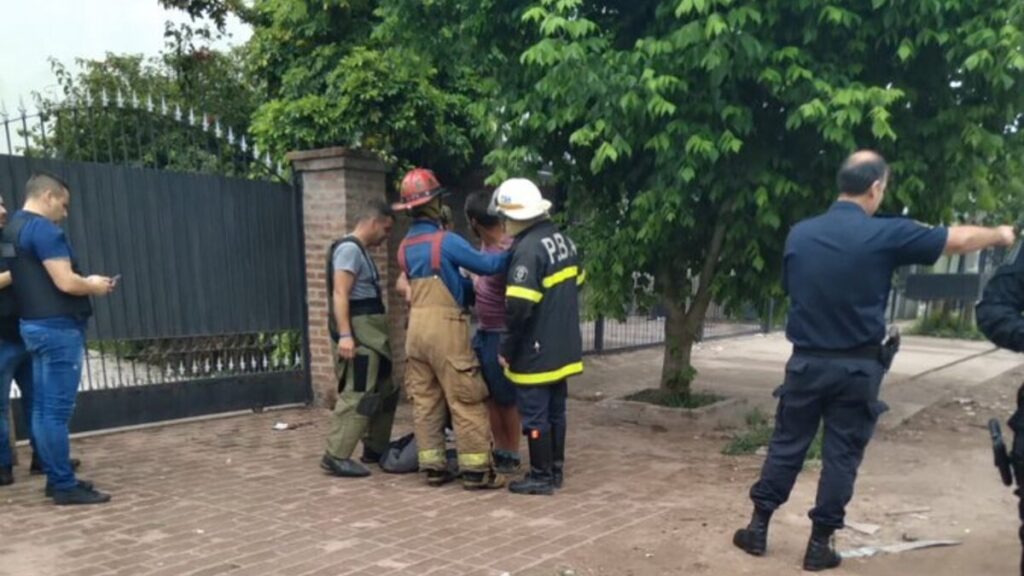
6,476
821,554
489,480
438,478
754,538
557,454
539,479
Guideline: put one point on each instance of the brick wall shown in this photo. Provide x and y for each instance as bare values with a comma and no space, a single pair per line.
337,184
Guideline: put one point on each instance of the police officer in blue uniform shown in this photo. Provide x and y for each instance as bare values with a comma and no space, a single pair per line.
837,271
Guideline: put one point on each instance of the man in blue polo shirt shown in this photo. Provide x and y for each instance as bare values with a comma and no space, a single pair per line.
837,270
53,302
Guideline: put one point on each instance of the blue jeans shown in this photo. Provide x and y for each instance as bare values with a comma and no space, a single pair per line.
15,364
57,367
486,344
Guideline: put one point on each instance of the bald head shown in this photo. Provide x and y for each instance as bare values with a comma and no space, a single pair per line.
861,171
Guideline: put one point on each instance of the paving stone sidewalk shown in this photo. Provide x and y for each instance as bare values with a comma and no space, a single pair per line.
234,496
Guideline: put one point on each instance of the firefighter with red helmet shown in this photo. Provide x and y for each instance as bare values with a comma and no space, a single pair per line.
442,371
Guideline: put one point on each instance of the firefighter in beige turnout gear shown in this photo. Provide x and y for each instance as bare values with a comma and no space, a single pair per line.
441,367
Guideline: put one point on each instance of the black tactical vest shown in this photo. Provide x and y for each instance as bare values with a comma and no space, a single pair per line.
8,306
361,307
35,294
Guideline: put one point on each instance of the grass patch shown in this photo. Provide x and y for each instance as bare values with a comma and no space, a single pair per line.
758,433
671,399
946,324
126,349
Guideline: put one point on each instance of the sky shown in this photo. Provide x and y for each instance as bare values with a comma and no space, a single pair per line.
33,31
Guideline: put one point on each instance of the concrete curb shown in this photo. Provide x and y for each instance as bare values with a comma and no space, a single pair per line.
727,412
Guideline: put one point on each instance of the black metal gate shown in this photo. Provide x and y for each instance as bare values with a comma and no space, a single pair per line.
208,314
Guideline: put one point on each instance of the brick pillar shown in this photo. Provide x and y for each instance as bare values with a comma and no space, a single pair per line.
337,184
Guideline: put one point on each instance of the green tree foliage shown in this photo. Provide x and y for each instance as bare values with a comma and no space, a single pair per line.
332,79
694,132
688,135
131,109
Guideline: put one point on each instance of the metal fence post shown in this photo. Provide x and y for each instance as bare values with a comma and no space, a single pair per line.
599,334
300,217
769,320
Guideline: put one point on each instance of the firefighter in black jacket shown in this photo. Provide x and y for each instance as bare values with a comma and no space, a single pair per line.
999,311
543,345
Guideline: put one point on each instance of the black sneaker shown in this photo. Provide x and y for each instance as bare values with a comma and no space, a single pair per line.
347,468
37,465
79,496
6,476
81,484
506,462
370,456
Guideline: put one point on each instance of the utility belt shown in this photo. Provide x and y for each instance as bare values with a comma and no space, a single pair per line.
884,353
860,353
366,307
356,308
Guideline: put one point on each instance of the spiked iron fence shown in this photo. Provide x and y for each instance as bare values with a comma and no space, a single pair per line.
130,130
206,233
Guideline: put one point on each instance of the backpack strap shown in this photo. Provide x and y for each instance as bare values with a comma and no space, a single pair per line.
435,252
374,272
435,240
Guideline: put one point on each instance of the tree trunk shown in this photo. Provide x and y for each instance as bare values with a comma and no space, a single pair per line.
683,326
680,334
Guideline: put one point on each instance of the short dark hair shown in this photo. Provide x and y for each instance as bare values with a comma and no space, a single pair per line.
42,182
478,208
859,172
375,210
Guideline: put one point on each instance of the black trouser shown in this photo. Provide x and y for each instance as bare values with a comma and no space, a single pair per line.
842,392
542,407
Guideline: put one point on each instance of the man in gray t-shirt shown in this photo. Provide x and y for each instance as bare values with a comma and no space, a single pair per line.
349,257
367,395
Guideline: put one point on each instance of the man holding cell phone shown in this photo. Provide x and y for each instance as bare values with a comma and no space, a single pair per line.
53,302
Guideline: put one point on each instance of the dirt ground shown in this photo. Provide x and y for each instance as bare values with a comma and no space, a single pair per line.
931,478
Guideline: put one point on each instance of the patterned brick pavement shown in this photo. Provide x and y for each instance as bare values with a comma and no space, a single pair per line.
233,496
